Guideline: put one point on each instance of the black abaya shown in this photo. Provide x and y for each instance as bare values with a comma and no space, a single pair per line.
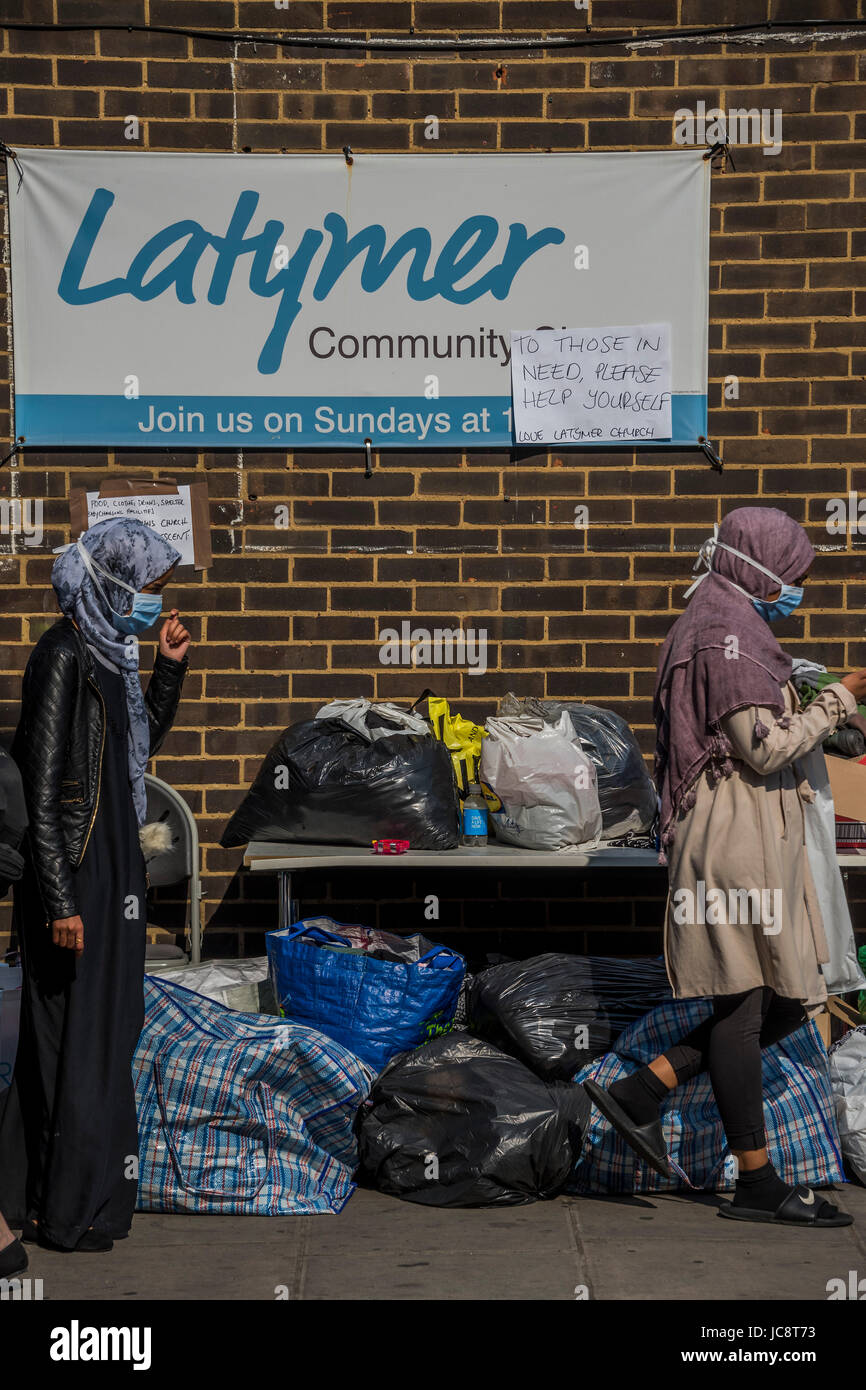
71,1105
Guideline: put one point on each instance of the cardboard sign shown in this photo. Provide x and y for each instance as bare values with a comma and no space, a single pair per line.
592,385
178,514
848,785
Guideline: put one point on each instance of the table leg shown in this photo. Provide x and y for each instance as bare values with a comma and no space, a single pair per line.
284,879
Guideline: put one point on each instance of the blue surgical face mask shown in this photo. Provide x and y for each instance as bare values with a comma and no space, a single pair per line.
145,610
790,598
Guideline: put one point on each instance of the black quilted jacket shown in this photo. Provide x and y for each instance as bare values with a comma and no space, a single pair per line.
58,748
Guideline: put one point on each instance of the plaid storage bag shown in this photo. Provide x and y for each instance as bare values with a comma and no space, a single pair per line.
799,1114
375,1008
241,1113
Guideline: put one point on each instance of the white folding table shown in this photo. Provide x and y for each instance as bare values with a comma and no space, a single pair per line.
285,859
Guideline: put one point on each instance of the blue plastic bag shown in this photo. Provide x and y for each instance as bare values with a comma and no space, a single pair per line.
375,1008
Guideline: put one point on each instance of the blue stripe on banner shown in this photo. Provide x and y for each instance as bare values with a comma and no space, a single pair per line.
288,422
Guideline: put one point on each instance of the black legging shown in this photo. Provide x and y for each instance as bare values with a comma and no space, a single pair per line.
728,1046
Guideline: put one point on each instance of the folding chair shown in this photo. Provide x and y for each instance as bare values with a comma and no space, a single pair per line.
178,863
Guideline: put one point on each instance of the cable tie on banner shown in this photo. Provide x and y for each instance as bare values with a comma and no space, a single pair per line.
12,452
347,155
708,450
10,154
721,147
368,447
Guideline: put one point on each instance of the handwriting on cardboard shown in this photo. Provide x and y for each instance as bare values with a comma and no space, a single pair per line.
169,514
584,385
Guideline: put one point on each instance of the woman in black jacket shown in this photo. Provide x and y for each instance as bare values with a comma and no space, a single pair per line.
82,744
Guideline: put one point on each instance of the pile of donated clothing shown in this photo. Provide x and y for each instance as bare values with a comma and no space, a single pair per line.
386,1064
810,678
555,775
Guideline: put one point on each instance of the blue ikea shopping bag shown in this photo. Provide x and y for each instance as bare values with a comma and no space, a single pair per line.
375,1008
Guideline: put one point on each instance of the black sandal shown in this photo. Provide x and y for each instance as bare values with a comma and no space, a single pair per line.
647,1140
801,1207
13,1260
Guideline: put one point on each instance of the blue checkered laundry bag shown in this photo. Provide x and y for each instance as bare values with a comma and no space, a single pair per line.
241,1113
799,1113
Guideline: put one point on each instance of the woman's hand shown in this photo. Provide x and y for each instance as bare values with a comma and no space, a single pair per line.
68,932
856,683
174,639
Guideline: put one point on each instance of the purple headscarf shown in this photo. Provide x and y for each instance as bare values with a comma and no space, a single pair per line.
703,674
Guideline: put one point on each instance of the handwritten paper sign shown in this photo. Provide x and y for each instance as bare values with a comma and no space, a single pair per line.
591,385
180,514
169,514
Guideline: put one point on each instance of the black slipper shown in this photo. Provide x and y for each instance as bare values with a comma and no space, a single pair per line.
647,1140
13,1260
800,1208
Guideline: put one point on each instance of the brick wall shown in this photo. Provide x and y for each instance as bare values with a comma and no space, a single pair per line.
494,545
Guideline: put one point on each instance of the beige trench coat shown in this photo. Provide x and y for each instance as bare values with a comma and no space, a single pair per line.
742,909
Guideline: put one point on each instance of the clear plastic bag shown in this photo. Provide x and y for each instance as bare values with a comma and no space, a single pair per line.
556,1012
847,1060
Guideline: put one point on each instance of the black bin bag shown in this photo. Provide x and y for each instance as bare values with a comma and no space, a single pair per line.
457,1123
625,789
323,782
557,1012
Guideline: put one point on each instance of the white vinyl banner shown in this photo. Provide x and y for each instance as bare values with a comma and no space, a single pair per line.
294,301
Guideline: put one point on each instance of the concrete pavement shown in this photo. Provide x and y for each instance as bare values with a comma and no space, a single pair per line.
379,1248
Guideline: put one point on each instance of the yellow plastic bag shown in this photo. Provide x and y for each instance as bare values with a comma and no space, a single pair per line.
463,740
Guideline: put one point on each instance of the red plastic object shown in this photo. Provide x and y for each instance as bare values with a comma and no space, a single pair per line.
390,846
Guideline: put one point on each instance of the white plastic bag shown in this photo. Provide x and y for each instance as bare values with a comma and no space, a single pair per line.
842,972
355,712
545,781
847,1060
238,984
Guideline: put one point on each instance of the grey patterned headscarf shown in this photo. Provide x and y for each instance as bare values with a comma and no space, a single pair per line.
137,555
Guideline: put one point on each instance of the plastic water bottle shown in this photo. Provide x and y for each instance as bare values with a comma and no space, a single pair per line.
475,818
731,1170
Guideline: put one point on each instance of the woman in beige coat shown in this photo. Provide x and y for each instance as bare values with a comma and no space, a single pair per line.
743,922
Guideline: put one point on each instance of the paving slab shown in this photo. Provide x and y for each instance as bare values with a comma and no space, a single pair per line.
400,1250
676,1246
638,1248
